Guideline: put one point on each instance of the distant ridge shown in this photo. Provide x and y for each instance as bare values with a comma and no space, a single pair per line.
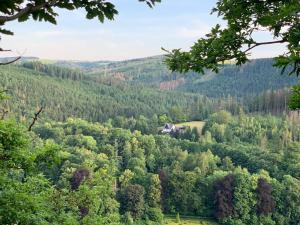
27,58
251,79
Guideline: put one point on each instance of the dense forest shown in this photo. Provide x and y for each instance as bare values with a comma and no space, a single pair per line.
114,166
253,78
241,170
204,136
119,169
65,92
63,96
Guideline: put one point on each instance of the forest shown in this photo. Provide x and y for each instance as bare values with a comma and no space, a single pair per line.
77,92
206,135
115,167
241,170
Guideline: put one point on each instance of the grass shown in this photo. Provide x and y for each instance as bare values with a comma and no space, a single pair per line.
198,124
187,221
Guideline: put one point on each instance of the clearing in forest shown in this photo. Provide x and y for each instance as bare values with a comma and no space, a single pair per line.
188,221
198,124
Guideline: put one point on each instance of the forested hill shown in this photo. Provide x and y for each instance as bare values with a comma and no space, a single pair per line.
255,77
97,91
67,92
252,78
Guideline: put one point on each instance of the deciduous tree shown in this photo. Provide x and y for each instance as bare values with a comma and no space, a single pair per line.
235,41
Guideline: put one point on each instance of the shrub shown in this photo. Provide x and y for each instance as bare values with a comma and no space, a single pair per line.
155,214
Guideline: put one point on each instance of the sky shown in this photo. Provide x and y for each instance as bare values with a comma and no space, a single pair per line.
136,32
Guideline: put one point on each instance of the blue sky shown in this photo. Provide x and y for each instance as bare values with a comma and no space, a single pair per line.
137,31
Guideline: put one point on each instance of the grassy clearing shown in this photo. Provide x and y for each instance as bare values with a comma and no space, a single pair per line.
188,221
198,124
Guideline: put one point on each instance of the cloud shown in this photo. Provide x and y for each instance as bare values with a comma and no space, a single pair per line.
48,34
194,31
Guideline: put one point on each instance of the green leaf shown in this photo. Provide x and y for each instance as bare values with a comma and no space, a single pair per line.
7,32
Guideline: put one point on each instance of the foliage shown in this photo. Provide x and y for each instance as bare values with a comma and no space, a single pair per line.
155,214
266,204
223,191
132,200
78,177
294,102
77,172
235,41
253,78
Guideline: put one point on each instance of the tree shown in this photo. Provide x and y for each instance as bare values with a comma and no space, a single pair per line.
154,191
265,202
234,42
227,164
155,214
244,198
223,195
291,199
78,177
126,177
22,10
132,200
178,218
294,102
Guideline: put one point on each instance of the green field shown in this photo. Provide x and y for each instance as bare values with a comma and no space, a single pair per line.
198,124
188,221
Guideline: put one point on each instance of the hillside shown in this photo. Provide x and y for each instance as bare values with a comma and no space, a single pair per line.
97,91
252,78
66,93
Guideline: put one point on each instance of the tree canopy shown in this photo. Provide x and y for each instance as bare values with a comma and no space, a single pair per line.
235,41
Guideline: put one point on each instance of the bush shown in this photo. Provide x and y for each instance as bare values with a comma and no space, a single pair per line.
155,214
127,218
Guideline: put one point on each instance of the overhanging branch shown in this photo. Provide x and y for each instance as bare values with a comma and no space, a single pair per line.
10,62
28,9
265,43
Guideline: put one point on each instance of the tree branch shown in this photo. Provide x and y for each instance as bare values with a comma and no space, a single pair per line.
28,9
265,43
36,115
10,62
5,50
4,113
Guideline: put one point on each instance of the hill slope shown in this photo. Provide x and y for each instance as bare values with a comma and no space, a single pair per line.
66,96
252,78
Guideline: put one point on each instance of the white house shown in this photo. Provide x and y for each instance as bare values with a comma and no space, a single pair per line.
169,128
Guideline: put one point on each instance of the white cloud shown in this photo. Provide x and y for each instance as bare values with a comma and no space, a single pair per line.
196,30
47,34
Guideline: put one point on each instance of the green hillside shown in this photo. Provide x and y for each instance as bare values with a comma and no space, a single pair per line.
97,91
64,95
252,78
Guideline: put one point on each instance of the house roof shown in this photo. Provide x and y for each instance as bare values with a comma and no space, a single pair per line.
169,126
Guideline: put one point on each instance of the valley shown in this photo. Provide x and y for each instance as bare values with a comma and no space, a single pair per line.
149,112
98,136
